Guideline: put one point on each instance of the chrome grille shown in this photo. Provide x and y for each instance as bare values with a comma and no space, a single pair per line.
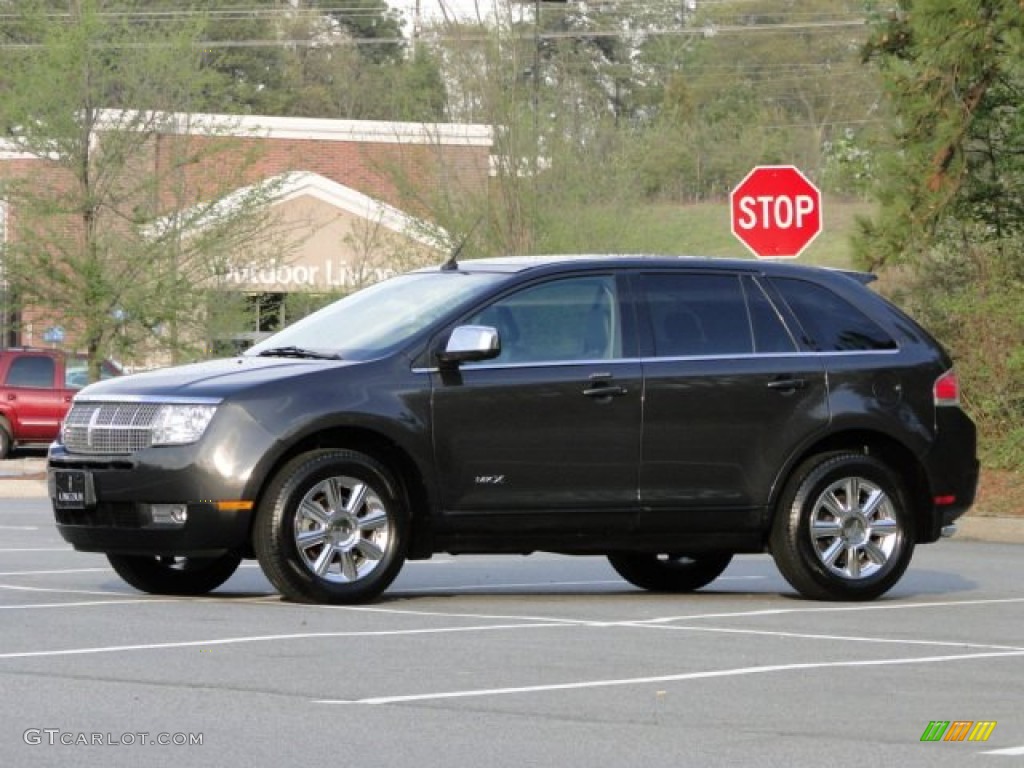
109,428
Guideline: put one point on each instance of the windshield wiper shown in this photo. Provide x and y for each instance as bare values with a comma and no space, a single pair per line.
297,352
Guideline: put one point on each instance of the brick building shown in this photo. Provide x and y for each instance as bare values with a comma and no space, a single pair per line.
348,201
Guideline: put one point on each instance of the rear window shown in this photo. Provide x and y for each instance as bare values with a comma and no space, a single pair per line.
831,323
31,371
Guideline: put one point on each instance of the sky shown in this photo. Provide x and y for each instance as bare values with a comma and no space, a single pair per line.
436,10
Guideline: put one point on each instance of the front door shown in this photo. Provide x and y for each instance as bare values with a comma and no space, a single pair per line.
553,423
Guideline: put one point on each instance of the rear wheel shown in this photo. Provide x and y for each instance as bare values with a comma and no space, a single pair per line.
168,575
843,529
332,528
668,572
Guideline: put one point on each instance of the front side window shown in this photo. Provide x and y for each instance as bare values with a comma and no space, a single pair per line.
564,320
830,322
697,315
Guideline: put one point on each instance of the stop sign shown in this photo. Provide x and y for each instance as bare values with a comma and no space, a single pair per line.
776,211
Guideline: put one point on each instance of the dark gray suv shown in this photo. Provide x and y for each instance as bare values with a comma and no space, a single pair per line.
667,413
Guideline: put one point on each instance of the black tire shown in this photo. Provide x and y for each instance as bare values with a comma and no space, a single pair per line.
175,575
6,442
669,573
843,529
343,550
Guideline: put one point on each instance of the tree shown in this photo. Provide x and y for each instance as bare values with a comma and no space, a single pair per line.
120,224
950,228
338,60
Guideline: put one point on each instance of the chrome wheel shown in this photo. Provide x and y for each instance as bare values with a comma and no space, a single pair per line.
853,528
332,527
843,528
342,529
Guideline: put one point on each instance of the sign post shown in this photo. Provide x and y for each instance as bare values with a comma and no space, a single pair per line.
775,211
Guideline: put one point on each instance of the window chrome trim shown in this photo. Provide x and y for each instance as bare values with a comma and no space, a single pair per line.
537,364
673,358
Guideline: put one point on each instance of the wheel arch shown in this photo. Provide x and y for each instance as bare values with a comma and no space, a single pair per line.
384,450
894,454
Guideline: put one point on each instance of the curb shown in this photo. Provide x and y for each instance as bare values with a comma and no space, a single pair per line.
1004,530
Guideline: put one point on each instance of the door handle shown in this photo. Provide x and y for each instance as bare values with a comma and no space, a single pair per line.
787,385
604,390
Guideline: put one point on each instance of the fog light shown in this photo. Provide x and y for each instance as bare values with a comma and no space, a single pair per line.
168,514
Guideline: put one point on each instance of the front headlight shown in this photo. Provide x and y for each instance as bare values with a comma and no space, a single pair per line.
181,423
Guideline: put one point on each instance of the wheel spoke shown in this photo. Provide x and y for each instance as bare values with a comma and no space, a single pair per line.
825,529
334,491
309,539
368,549
829,556
875,553
853,562
376,518
323,562
831,503
885,527
356,497
311,510
875,500
348,566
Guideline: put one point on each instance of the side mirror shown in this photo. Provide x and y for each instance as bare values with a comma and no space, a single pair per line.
470,343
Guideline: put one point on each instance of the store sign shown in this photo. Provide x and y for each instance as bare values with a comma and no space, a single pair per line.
329,275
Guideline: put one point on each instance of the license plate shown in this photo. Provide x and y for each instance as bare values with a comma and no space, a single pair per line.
70,485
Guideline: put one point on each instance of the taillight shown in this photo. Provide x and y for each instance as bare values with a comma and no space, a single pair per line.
947,389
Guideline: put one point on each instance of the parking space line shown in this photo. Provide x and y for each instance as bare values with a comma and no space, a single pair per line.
88,603
65,591
269,638
1010,751
511,585
663,679
832,609
54,572
831,638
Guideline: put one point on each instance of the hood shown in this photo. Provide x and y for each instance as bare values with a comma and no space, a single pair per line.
214,379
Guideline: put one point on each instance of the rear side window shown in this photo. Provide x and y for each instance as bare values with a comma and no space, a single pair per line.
770,334
34,371
831,323
694,315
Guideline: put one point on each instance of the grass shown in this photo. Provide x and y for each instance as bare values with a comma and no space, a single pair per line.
698,230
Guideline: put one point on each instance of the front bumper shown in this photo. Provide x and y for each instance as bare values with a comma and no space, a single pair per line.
115,509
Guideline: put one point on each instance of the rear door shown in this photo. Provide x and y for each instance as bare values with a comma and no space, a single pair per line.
728,396
553,423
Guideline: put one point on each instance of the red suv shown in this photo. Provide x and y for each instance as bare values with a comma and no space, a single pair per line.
36,387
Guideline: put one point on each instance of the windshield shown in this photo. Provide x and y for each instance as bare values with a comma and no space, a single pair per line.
369,322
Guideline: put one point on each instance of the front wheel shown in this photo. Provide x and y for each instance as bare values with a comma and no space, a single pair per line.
332,528
843,529
168,575
669,573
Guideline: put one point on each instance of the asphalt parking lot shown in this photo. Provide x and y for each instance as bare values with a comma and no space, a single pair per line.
507,661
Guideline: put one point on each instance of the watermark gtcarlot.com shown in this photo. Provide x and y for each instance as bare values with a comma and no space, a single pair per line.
57,737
